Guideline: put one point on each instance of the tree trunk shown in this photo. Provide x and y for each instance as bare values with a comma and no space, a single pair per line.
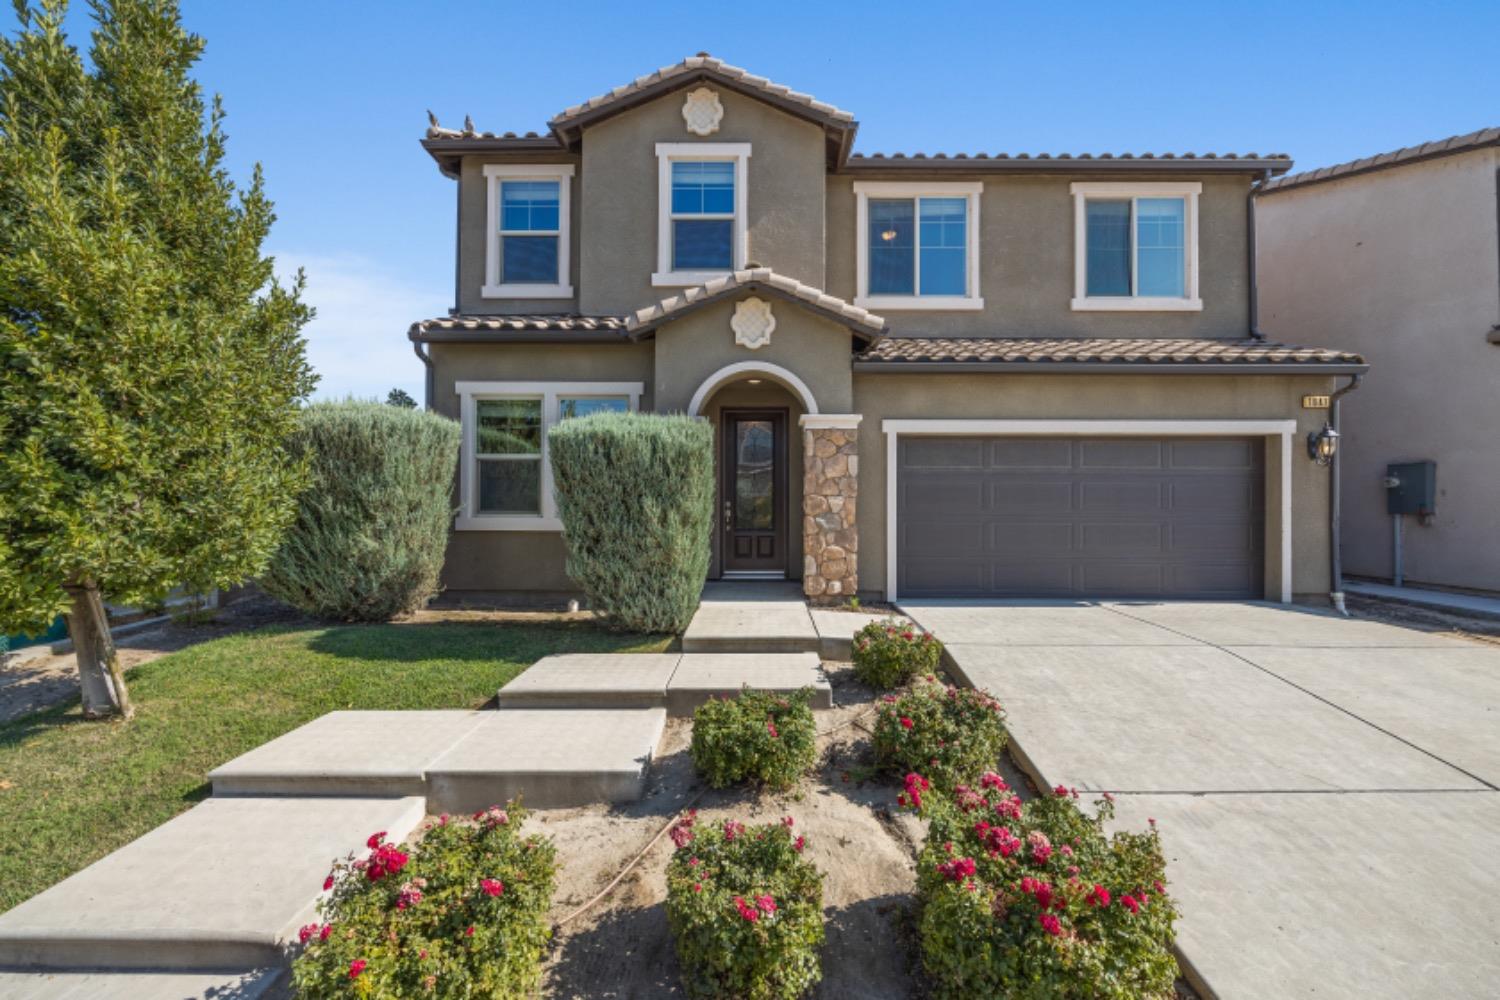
99,672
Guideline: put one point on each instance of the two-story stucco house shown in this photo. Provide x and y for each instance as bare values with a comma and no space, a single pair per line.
963,375
1398,256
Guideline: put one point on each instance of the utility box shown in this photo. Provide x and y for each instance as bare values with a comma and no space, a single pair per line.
1412,489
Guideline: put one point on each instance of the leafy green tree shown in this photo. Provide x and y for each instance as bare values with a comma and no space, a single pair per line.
401,398
151,365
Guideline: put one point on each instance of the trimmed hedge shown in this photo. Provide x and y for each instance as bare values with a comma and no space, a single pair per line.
1035,901
462,913
891,652
635,492
372,525
759,736
746,911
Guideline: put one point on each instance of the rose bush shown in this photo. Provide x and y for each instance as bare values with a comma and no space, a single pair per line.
759,736
890,653
948,734
746,910
1034,902
462,913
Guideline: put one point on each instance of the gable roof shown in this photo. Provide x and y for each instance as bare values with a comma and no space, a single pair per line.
839,124
1098,354
1396,158
860,321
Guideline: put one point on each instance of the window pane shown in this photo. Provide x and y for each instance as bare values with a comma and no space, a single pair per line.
892,247
528,260
699,188
508,426
702,244
510,486
943,246
528,205
754,476
583,407
1108,262
1159,227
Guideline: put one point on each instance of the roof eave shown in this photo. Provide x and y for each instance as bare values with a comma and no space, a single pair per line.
1115,367
1063,165
517,336
866,333
448,152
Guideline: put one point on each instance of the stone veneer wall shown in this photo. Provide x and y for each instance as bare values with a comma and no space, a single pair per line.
830,498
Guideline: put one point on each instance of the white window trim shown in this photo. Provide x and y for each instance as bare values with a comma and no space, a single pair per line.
468,518
494,173
1082,192
863,192
736,152
1281,429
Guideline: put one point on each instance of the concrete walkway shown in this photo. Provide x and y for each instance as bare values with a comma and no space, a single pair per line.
1441,600
751,617
1326,788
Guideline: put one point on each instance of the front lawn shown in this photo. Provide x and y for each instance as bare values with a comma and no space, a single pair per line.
73,791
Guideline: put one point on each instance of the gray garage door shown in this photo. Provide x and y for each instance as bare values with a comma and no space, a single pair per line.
1080,517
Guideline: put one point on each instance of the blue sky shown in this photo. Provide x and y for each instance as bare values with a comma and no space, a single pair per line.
330,96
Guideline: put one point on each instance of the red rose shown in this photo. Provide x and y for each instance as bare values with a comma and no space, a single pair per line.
906,723
375,839
492,887
328,883
1050,924
356,967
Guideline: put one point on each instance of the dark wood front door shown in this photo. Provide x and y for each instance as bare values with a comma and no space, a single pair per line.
753,491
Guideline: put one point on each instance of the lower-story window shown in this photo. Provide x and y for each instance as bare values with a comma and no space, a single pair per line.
505,480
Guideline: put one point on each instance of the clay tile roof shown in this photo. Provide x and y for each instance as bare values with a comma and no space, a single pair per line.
705,64
763,278
1098,351
517,325
1398,157
1066,162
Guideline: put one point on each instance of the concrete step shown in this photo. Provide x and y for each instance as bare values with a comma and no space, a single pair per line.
223,886
258,984
677,682
593,680
348,753
751,618
701,676
836,630
553,758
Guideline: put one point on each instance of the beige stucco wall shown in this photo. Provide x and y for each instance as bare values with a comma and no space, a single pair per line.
1401,266
501,561
473,218
1026,226
693,348
1142,397
784,196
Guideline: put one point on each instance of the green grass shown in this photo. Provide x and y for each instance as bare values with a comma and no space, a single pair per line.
72,791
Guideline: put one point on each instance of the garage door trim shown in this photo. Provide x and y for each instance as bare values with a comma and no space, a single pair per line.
894,428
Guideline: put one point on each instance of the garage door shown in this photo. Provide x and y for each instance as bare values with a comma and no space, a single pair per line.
1080,517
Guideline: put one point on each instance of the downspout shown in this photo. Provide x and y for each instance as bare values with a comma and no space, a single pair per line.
427,383
1335,558
1255,331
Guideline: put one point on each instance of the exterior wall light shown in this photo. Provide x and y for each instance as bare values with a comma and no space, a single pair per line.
1323,445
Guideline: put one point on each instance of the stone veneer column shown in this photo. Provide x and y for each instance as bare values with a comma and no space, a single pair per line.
830,506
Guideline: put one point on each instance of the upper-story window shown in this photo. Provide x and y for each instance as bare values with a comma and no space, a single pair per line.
701,228
918,245
526,249
1136,247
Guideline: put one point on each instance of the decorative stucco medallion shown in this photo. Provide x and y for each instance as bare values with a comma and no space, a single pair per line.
752,323
702,111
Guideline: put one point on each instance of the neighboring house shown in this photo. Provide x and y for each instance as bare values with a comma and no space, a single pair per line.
981,375
1398,257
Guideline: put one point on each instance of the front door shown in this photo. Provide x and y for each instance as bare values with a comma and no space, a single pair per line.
753,493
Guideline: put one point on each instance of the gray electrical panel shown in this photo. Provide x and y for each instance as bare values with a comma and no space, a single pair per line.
1413,488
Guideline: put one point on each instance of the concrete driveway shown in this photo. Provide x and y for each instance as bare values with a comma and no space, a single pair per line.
1328,790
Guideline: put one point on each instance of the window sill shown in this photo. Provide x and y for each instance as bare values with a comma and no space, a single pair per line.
506,522
1126,304
686,279
920,303
526,292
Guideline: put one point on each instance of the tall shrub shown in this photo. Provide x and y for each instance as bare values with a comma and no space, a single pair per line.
372,525
635,491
